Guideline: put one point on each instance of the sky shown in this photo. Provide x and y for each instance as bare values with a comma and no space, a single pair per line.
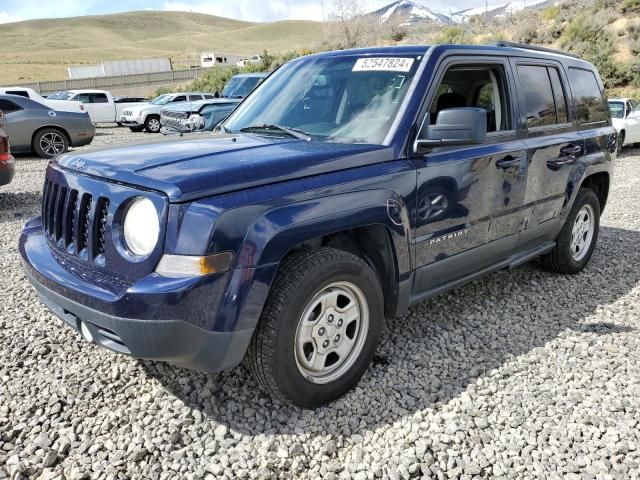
250,10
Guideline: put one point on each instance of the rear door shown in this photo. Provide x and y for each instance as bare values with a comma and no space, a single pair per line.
555,148
592,115
103,111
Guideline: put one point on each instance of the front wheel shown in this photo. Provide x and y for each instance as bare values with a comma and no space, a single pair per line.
578,237
319,329
152,124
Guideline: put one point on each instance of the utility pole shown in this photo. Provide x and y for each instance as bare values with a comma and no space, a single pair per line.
322,5
189,43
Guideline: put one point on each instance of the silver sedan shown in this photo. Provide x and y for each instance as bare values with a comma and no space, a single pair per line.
34,127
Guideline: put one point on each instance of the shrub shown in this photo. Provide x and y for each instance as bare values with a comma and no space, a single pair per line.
586,36
550,13
453,35
630,6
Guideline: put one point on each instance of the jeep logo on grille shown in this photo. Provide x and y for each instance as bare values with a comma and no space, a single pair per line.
78,164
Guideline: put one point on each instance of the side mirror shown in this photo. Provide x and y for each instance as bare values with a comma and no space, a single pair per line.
454,126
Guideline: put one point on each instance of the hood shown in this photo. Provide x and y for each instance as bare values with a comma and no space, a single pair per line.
201,165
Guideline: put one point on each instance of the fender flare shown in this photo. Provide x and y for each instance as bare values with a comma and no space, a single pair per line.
279,230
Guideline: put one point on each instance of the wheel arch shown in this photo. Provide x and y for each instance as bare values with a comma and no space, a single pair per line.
365,228
598,182
54,127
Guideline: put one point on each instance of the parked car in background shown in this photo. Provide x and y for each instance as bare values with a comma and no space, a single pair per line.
196,116
61,105
147,116
130,99
34,127
7,162
288,239
100,104
205,115
241,85
625,116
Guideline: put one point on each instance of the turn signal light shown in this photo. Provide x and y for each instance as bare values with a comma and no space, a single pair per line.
192,266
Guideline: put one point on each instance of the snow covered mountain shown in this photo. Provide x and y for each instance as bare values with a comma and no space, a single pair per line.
408,12
501,10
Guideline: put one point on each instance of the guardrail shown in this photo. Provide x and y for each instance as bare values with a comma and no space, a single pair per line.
118,81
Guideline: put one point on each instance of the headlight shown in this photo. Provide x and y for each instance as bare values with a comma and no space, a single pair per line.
141,227
194,121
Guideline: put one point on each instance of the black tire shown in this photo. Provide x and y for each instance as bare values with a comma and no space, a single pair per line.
136,129
271,356
561,258
118,124
621,136
152,124
50,142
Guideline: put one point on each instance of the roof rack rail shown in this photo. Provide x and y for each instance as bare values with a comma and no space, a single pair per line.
526,46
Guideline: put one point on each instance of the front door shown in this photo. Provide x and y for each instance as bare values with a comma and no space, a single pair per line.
469,201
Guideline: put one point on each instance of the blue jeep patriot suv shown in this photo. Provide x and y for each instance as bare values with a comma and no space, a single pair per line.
347,187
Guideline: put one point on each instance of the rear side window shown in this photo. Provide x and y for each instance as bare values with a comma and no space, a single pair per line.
7,106
591,106
538,95
22,93
99,98
195,97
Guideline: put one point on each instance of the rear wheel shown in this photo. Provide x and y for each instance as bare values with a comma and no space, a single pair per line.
49,142
152,124
319,329
578,236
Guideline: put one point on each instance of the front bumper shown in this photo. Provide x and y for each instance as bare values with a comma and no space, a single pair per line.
7,171
129,121
144,336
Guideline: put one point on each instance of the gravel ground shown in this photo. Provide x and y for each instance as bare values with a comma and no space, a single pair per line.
520,375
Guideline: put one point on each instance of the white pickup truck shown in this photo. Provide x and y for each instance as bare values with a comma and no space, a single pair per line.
61,106
99,103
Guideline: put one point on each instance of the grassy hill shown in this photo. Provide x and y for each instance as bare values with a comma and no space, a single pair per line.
42,49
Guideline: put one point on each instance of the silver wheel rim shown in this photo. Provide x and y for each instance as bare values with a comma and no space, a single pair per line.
52,143
331,332
582,233
154,124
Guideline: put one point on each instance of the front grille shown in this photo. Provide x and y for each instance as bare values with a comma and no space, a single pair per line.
75,221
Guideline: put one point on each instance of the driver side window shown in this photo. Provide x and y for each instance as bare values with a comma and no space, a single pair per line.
474,86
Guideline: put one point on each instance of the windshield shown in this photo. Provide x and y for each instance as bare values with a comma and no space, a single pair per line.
161,100
616,109
240,86
341,99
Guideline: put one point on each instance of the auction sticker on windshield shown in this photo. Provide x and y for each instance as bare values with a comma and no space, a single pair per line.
384,64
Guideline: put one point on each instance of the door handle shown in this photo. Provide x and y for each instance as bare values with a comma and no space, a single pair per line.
508,162
562,161
570,150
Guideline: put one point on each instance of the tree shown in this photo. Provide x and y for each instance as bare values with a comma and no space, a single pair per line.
349,25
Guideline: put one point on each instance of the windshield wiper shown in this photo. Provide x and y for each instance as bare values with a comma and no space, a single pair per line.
292,132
